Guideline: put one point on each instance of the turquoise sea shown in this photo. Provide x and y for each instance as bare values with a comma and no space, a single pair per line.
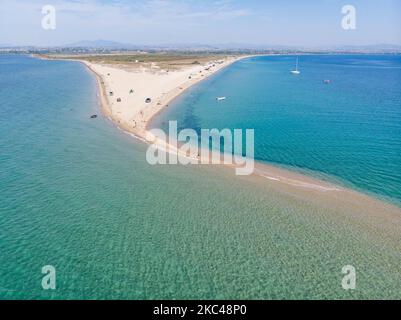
76,193
348,131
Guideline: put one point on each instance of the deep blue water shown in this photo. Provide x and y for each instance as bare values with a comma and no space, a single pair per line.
348,131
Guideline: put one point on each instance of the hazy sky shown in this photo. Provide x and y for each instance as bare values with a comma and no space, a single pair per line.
262,22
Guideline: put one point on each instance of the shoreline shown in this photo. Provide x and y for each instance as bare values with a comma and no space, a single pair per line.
162,101
292,182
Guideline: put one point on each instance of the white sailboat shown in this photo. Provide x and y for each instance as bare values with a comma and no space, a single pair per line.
296,71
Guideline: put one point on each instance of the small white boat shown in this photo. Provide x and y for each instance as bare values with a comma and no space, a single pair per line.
296,71
221,98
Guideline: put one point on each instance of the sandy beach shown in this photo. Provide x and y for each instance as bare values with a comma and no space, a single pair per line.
124,94
132,97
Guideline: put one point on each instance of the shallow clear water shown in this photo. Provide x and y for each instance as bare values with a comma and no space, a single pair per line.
348,131
76,193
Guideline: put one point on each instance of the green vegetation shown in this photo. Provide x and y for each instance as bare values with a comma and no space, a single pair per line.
166,61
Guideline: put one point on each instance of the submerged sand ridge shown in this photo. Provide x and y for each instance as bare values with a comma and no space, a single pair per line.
289,240
131,97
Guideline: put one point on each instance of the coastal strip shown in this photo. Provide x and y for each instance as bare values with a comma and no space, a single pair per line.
131,98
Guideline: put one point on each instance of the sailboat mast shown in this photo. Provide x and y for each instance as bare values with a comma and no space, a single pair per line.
296,71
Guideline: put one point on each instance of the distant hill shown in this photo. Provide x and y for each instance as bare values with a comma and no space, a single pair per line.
183,46
99,44
102,46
